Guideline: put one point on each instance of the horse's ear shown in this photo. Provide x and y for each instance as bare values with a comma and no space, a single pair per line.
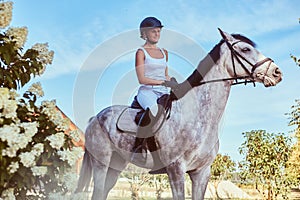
226,36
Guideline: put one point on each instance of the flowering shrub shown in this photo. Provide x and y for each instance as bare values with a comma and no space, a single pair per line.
36,154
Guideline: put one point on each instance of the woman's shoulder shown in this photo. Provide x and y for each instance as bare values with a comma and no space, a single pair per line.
140,52
165,51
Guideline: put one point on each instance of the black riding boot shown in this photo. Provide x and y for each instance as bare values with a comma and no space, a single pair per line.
140,146
158,166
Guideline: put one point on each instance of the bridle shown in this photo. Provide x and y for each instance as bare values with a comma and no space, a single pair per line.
237,56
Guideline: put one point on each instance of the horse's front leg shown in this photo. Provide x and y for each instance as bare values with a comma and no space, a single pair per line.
200,180
176,174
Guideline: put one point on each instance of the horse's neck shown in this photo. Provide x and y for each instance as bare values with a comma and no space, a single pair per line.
207,102
196,118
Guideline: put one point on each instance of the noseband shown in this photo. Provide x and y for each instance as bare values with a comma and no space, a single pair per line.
237,56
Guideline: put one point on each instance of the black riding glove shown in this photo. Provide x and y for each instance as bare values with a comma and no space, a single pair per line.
180,90
171,84
194,79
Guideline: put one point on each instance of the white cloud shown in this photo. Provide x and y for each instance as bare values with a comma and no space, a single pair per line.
201,18
66,60
195,19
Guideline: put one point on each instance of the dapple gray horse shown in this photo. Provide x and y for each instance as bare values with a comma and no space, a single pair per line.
188,140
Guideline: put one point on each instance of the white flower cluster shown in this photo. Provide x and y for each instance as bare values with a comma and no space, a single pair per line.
13,94
15,139
7,105
71,156
13,167
45,56
63,124
5,13
39,170
49,108
8,194
70,180
75,135
18,35
38,149
28,158
30,128
36,88
56,140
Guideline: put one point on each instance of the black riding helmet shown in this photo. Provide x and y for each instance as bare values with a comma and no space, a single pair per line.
149,22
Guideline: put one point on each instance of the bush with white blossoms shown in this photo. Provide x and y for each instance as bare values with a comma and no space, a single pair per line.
35,151
36,156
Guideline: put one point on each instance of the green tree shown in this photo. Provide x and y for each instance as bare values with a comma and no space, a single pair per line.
222,167
160,183
36,156
136,177
294,117
294,161
265,160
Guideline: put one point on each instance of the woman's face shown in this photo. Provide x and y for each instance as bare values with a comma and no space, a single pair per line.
153,35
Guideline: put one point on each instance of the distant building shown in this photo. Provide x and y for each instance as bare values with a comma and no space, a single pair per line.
81,142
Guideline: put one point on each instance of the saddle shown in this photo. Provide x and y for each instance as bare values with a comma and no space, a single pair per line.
128,120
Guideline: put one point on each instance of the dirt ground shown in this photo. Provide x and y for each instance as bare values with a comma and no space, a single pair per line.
226,190
295,194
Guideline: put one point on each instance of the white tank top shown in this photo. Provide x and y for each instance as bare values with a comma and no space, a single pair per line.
155,68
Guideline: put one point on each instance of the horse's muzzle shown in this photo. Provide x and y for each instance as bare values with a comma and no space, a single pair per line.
273,76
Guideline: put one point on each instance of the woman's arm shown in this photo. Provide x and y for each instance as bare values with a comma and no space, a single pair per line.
167,71
140,70
167,74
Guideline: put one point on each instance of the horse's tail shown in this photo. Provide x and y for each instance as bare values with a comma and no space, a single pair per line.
85,173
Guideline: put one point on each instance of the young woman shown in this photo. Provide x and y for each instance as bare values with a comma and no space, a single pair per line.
152,73
151,65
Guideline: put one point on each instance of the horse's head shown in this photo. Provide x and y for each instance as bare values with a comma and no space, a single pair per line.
244,61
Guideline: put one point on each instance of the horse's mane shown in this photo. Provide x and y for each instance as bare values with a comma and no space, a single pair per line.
215,52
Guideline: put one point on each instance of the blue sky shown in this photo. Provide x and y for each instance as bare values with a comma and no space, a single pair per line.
95,40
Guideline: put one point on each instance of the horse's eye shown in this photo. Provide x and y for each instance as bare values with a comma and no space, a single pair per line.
246,49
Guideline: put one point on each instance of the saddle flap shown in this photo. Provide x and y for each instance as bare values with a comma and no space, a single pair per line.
129,116
126,121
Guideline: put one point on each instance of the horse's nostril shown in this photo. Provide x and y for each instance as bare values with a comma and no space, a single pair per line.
277,72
